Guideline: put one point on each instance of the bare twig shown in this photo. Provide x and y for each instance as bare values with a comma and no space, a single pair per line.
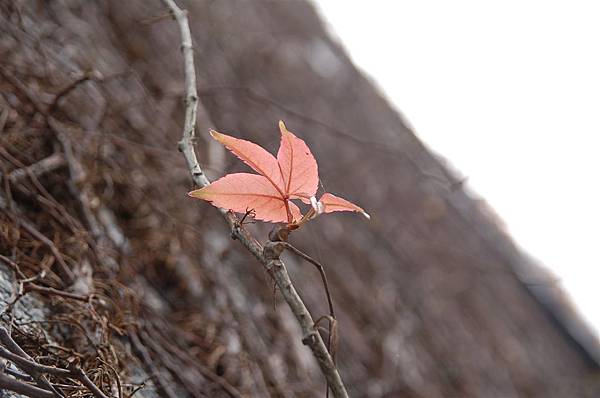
162,386
75,170
45,165
267,256
137,388
52,291
17,374
3,118
185,377
30,366
332,333
90,75
19,387
117,377
80,375
167,346
64,268
13,265
14,349
151,20
56,209
319,267
13,352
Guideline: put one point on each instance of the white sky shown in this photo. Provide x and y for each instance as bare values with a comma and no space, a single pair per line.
509,92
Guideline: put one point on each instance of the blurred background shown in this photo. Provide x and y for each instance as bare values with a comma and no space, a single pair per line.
507,93
433,297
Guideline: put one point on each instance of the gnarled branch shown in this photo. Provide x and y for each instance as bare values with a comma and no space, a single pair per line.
268,256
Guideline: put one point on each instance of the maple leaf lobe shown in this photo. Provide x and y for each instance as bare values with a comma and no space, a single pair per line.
333,203
255,156
240,192
298,166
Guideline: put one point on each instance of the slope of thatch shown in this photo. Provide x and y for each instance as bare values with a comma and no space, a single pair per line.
428,299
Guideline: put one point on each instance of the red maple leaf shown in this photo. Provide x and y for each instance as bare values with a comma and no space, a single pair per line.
292,175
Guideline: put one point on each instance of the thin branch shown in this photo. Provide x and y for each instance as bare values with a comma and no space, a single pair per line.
79,374
267,256
58,211
45,165
188,379
332,333
167,346
18,375
31,230
136,389
64,268
15,267
90,75
19,387
14,353
52,291
117,377
30,366
319,267
15,349
162,386
151,20
3,118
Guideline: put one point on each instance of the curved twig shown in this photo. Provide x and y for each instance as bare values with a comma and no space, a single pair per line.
319,267
332,333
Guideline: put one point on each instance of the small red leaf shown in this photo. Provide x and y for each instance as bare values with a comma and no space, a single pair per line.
333,203
292,175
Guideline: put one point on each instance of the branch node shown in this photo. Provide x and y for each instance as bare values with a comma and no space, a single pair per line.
272,250
309,338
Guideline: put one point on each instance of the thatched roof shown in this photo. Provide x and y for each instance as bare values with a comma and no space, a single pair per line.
430,295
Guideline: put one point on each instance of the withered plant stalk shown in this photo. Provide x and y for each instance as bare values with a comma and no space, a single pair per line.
269,255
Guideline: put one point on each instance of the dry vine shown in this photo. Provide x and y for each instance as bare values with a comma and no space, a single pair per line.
42,240
67,377
269,255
